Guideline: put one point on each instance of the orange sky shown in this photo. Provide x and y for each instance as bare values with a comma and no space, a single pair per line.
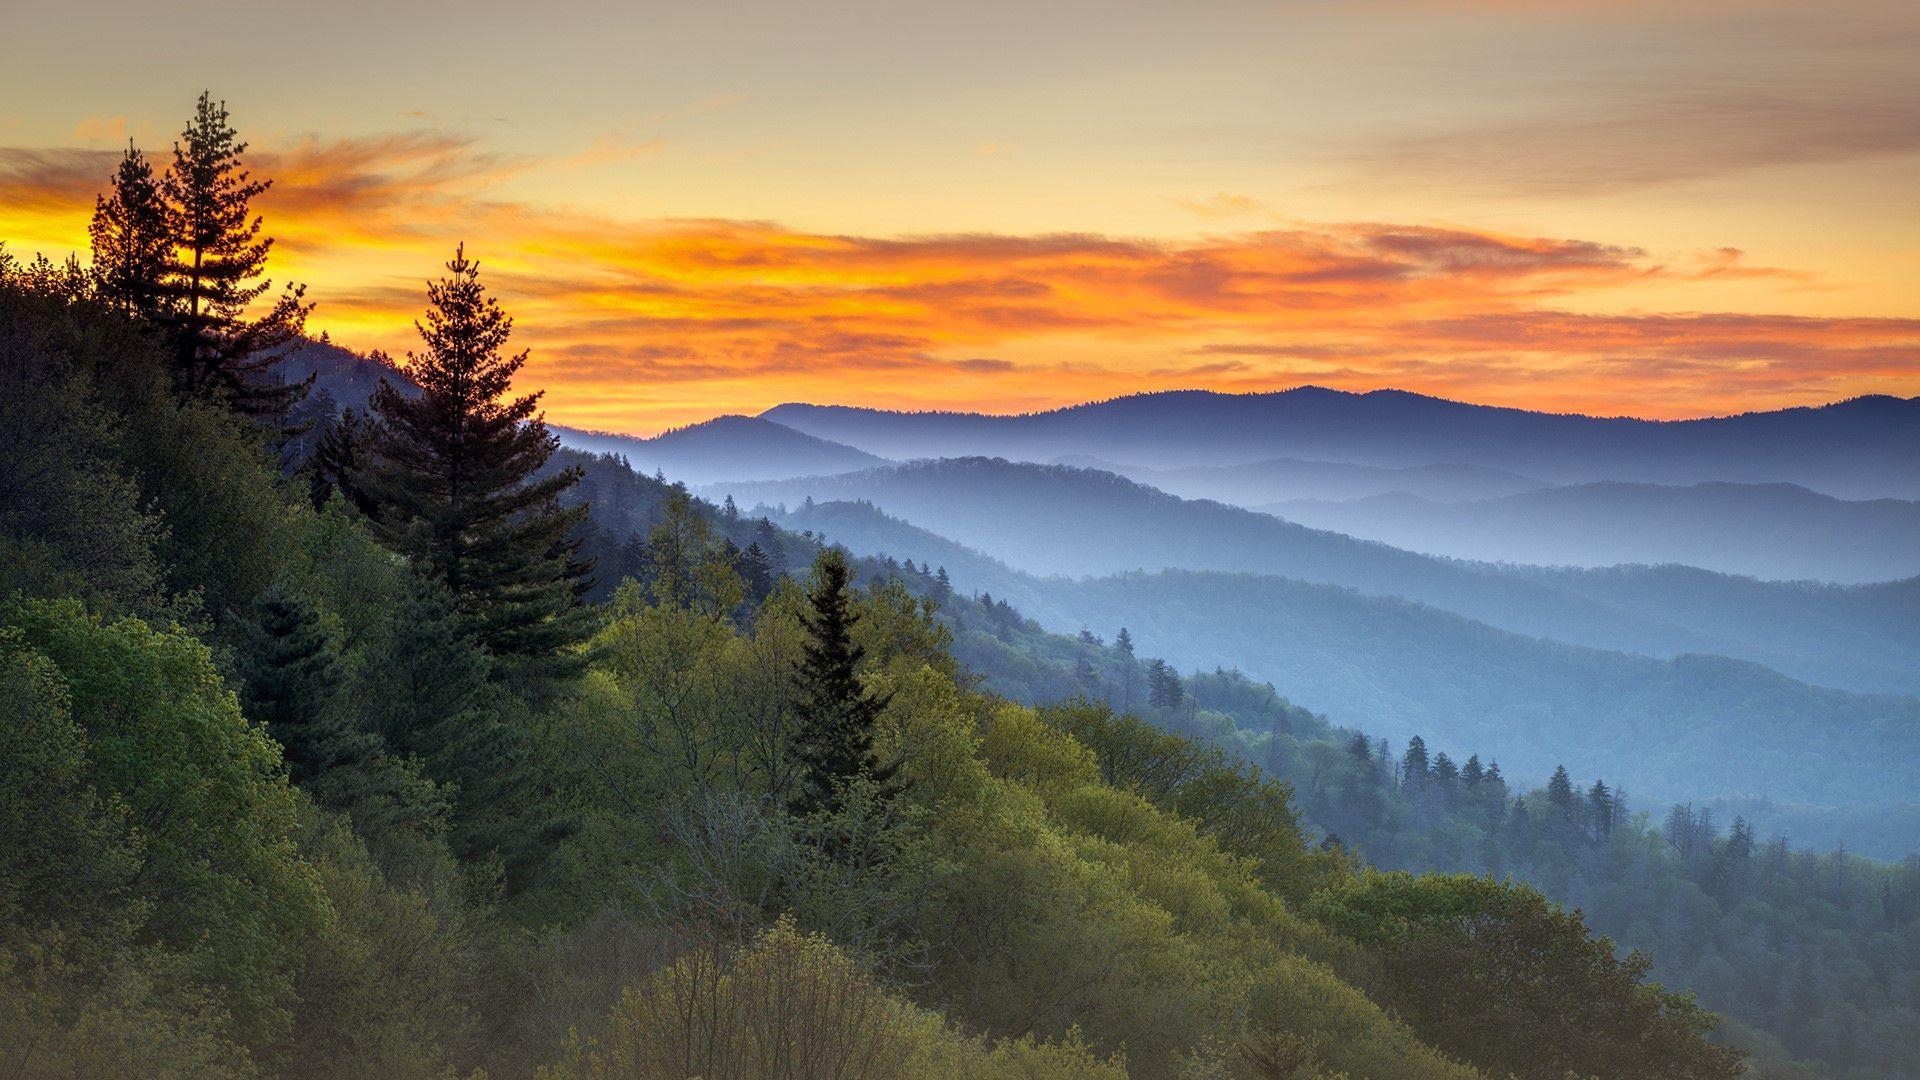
1671,231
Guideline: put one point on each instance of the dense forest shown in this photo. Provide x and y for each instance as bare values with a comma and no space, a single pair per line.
1810,955
396,743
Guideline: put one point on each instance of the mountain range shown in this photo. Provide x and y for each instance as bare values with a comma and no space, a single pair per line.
1779,531
1278,479
1060,520
1867,447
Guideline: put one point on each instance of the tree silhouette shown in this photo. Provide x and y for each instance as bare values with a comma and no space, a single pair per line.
219,259
454,479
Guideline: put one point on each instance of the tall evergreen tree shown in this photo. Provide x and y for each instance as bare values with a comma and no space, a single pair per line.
1560,791
1164,690
217,273
132,242
335,464
1415,769
289,670
454,479
757,571
1601,809
833,741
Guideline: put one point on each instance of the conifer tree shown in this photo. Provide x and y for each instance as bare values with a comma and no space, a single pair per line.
132,243
1600,806
1359,749
454,481
217,273
336,463
1163,686
833,741
757,571
1123,642
289,670
1560,791
1415,768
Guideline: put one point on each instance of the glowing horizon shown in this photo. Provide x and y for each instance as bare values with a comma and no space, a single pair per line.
1664,211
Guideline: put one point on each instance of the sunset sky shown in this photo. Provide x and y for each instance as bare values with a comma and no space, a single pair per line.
1661,209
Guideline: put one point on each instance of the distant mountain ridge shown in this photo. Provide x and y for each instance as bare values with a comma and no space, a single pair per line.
1684,727
726,448
1050,519
1263,482
1867,447
1777,531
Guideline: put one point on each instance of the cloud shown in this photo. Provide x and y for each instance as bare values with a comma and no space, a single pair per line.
53,179
1605,137
639,325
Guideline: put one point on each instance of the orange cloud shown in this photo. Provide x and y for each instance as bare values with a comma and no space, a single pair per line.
639,326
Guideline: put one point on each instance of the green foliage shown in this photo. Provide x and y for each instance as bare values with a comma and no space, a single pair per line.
792,1006
72,521
71,855
289,671
386,990
1497,974
206,792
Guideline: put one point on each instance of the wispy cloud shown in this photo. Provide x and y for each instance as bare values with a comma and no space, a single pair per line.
1647,129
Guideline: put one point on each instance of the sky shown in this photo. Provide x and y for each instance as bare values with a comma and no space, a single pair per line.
1665,209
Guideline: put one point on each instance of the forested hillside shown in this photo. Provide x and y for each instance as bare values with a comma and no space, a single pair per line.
1807,951
329,765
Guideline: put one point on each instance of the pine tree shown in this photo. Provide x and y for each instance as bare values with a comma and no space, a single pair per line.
454,481
1414,768
1163,686
1560,791
768,538
335,464
1600,809
757,571
1446,775
1472,773
289,670
132,244
833,741
219,259
1359,749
